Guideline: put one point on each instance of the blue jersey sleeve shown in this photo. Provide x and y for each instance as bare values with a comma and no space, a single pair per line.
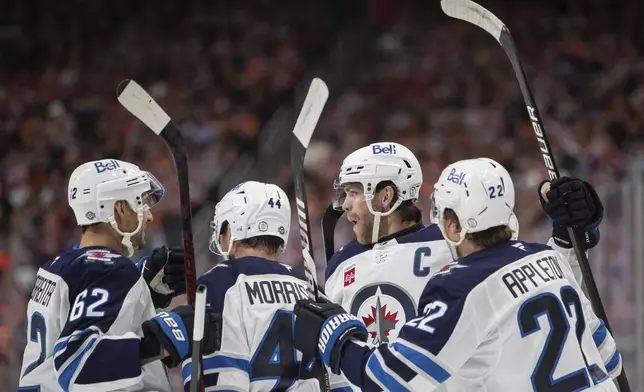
415,359
412,356
107,301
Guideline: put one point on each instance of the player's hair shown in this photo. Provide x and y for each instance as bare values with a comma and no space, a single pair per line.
407,210
270,244
84,228
493,236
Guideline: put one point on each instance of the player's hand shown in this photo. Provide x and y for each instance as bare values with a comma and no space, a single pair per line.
172,332
165,274
571,202
323,328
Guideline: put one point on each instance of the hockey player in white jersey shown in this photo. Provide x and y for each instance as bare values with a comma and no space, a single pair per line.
507,316
380,275
255,296
86,310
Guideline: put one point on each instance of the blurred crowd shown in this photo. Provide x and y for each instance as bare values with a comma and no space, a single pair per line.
220,69
446,89
441,87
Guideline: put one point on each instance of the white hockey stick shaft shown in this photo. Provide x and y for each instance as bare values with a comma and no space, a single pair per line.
197,336
306,122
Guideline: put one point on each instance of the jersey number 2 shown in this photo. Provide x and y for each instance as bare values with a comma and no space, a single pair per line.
553,308
37,333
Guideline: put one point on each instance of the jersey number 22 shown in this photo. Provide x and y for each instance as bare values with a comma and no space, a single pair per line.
557,312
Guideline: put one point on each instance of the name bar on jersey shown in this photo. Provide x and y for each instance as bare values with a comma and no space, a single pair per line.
275,291
43,290
535,272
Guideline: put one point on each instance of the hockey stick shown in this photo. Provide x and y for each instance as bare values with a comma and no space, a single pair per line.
475,14
302,132
138,102
329,220
197,335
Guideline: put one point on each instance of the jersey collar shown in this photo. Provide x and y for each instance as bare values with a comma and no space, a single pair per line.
398,234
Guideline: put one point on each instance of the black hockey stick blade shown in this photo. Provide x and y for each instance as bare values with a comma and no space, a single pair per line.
305,125
329,220
475,14
138,102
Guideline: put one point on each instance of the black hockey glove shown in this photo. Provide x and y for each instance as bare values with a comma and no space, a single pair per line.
172,331
165,274
571,202
323,328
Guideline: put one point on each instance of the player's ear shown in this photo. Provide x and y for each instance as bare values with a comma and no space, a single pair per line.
455,225
388,195
452,228
119,210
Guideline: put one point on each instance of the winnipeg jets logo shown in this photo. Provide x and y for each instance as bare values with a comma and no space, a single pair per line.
383,308
380,322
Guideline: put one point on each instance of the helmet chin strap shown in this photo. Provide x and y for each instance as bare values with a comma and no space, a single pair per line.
126,241
377,215
224,253
453,246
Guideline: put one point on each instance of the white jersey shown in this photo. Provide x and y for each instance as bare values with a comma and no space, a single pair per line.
507,318
381,284
256,298
84,326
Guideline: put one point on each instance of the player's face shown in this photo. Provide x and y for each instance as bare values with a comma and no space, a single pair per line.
138,240
358,213
128,222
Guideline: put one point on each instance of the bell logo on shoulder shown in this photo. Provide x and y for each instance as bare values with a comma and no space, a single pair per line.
106,165
349,276
386,149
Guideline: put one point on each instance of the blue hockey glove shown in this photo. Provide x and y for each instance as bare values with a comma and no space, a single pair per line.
172,331
571,202
329,327
165,274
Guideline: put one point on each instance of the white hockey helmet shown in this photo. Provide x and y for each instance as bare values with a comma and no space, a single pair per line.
95,186
251,209
481,193
374,164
